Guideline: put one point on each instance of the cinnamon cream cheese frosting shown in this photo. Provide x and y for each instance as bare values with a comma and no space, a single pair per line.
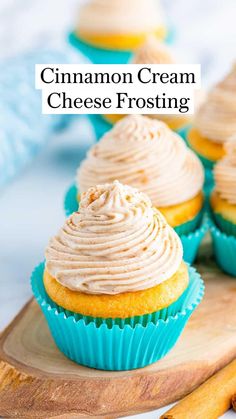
225,174
120,16
146,154
153,52
216,118
116,243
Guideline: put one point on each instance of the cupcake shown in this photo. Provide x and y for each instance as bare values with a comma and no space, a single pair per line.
108,31
215,122
115,290
146,154
223,209
152,51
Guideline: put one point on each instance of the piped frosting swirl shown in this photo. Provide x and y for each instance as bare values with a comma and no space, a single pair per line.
225,173
153,52
216,118
116,243
146,154
120,16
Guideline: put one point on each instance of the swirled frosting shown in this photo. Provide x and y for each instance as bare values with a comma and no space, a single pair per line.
225,173
153,52
120,16
146,154
116,243
216,118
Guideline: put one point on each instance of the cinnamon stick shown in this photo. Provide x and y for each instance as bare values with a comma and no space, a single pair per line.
210,400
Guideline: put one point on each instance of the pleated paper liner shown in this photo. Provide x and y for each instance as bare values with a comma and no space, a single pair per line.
189,226
192,241
224,247
224,225
117,344
209,182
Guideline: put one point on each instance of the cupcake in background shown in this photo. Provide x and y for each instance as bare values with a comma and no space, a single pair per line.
146,154
223,198
223,209
115,279
152,51
108,31
215,122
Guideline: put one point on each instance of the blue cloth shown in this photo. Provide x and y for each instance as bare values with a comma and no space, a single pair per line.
23,128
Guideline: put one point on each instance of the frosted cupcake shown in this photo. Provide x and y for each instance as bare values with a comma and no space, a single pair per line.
114,277
152,51
108,31
215,122
223,198
155,52
223,206
147,155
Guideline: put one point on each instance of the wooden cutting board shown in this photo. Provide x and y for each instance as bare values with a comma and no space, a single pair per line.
37,381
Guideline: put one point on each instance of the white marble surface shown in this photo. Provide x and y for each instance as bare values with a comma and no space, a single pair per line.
31,206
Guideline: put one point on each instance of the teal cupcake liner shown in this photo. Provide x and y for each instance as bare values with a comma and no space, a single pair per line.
209,182
189,226
224,248
111,346
191,240
100,125
99,55
71,203
224,225
106,56
183,131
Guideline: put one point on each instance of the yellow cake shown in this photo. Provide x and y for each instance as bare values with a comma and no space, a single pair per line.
223,207
209,149
127,304
182,213
120,24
